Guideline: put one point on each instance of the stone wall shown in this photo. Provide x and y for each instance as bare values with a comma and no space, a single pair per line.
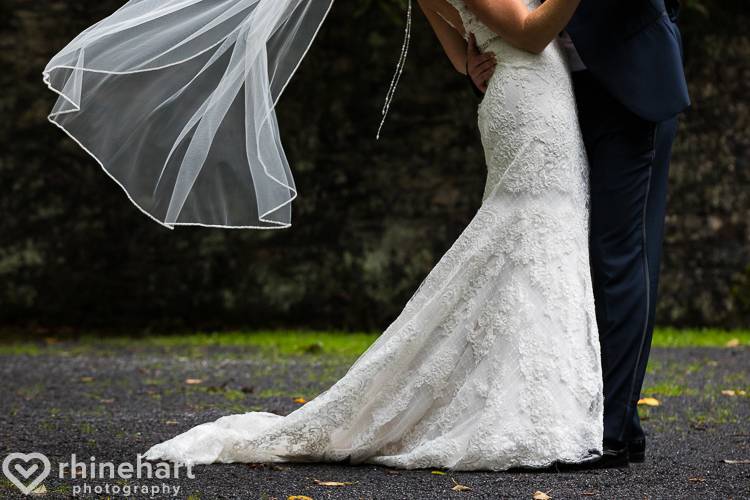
372,217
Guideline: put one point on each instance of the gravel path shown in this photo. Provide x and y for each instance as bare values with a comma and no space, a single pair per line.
113,404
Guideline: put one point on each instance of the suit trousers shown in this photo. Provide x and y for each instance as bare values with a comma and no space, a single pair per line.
629,165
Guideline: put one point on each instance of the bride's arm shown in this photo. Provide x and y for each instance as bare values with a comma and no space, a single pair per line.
528,30
453,43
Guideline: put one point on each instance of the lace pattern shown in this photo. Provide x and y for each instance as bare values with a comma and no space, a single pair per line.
494,361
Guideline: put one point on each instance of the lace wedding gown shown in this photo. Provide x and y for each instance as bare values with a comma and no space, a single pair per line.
494,362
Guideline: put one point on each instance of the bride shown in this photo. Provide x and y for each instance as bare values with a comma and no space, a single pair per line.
494,362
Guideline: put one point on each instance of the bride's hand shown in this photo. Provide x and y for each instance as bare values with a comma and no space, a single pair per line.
479,66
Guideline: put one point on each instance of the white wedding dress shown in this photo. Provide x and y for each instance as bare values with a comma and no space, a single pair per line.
494,362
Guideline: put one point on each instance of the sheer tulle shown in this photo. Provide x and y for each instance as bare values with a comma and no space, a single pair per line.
175,99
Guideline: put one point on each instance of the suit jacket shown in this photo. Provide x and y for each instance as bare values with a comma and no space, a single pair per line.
634,48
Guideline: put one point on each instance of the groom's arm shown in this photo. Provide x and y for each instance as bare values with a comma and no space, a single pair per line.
629,13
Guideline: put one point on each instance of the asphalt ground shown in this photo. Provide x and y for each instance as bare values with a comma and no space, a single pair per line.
115,403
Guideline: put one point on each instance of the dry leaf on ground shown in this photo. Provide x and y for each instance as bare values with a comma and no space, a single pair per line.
460,487
331,483
39,490
733,343
540,495
732,393
649,402
300,400
193,381
736,462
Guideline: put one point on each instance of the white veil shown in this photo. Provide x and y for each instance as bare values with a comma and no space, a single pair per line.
175,99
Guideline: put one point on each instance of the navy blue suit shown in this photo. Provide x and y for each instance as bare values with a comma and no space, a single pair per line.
628,100
633,48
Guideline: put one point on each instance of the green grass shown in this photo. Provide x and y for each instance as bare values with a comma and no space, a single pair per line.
672,337
282,341
293,343
669,389
21,348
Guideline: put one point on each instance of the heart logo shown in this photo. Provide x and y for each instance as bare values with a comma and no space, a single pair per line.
26,470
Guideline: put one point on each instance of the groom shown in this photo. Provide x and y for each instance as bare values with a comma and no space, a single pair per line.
626,58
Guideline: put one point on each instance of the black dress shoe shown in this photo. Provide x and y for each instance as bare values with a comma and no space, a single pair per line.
637,450
611,458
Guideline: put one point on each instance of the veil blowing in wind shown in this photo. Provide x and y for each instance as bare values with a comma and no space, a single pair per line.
175,99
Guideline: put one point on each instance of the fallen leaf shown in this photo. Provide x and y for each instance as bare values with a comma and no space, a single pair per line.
40,490
392,472
589,493
300,400
171,422
331,483
313,348
729,392
438,473
193,381
87,380
649,402
540,495
298,497
459,487
733,343
697,479
736,462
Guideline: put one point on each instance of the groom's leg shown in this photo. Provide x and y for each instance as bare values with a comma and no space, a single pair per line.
654,236
629,162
